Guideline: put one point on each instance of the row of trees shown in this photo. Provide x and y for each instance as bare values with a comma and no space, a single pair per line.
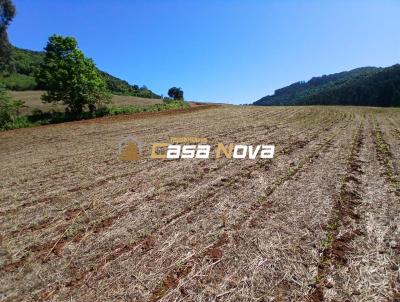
368,86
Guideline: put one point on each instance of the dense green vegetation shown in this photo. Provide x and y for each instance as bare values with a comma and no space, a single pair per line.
71,78
175,93
368,86
117,110
7,13
121,87
19,74
9,109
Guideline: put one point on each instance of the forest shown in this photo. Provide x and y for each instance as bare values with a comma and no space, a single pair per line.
368,86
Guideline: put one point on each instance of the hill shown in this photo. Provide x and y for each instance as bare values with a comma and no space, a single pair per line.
367,86
24,63
33,102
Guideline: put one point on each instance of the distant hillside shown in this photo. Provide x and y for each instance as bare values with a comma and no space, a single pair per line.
368,86
33,102
24,63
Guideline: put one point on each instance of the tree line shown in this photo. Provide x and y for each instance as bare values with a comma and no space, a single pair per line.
368,86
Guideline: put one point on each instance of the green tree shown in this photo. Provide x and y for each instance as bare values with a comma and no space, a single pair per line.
176,93
7,13
69,77
9,108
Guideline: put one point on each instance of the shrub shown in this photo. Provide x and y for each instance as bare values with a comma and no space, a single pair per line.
9,109
39,117
18,82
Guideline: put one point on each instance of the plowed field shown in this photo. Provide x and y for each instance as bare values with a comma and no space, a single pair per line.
318,222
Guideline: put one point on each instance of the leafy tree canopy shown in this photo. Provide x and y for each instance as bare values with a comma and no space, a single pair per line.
69,77
367,86
7,13
175,93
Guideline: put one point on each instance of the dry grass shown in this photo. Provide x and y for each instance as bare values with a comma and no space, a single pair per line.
33,101
77,224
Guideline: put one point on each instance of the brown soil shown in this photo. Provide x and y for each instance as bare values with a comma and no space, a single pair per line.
319,222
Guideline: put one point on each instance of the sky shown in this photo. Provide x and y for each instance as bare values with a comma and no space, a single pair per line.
222,50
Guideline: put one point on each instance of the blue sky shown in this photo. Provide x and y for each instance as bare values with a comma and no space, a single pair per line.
222,51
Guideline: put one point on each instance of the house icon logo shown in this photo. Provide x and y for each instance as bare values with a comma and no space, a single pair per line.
129,149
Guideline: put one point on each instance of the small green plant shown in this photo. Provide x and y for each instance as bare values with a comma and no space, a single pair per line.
144,233
74,229
327,242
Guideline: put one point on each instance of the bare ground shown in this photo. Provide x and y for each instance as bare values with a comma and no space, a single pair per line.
319,222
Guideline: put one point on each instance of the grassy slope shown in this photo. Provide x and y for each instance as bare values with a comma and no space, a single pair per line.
32,101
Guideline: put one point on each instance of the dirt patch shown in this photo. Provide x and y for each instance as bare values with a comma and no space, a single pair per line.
171,281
